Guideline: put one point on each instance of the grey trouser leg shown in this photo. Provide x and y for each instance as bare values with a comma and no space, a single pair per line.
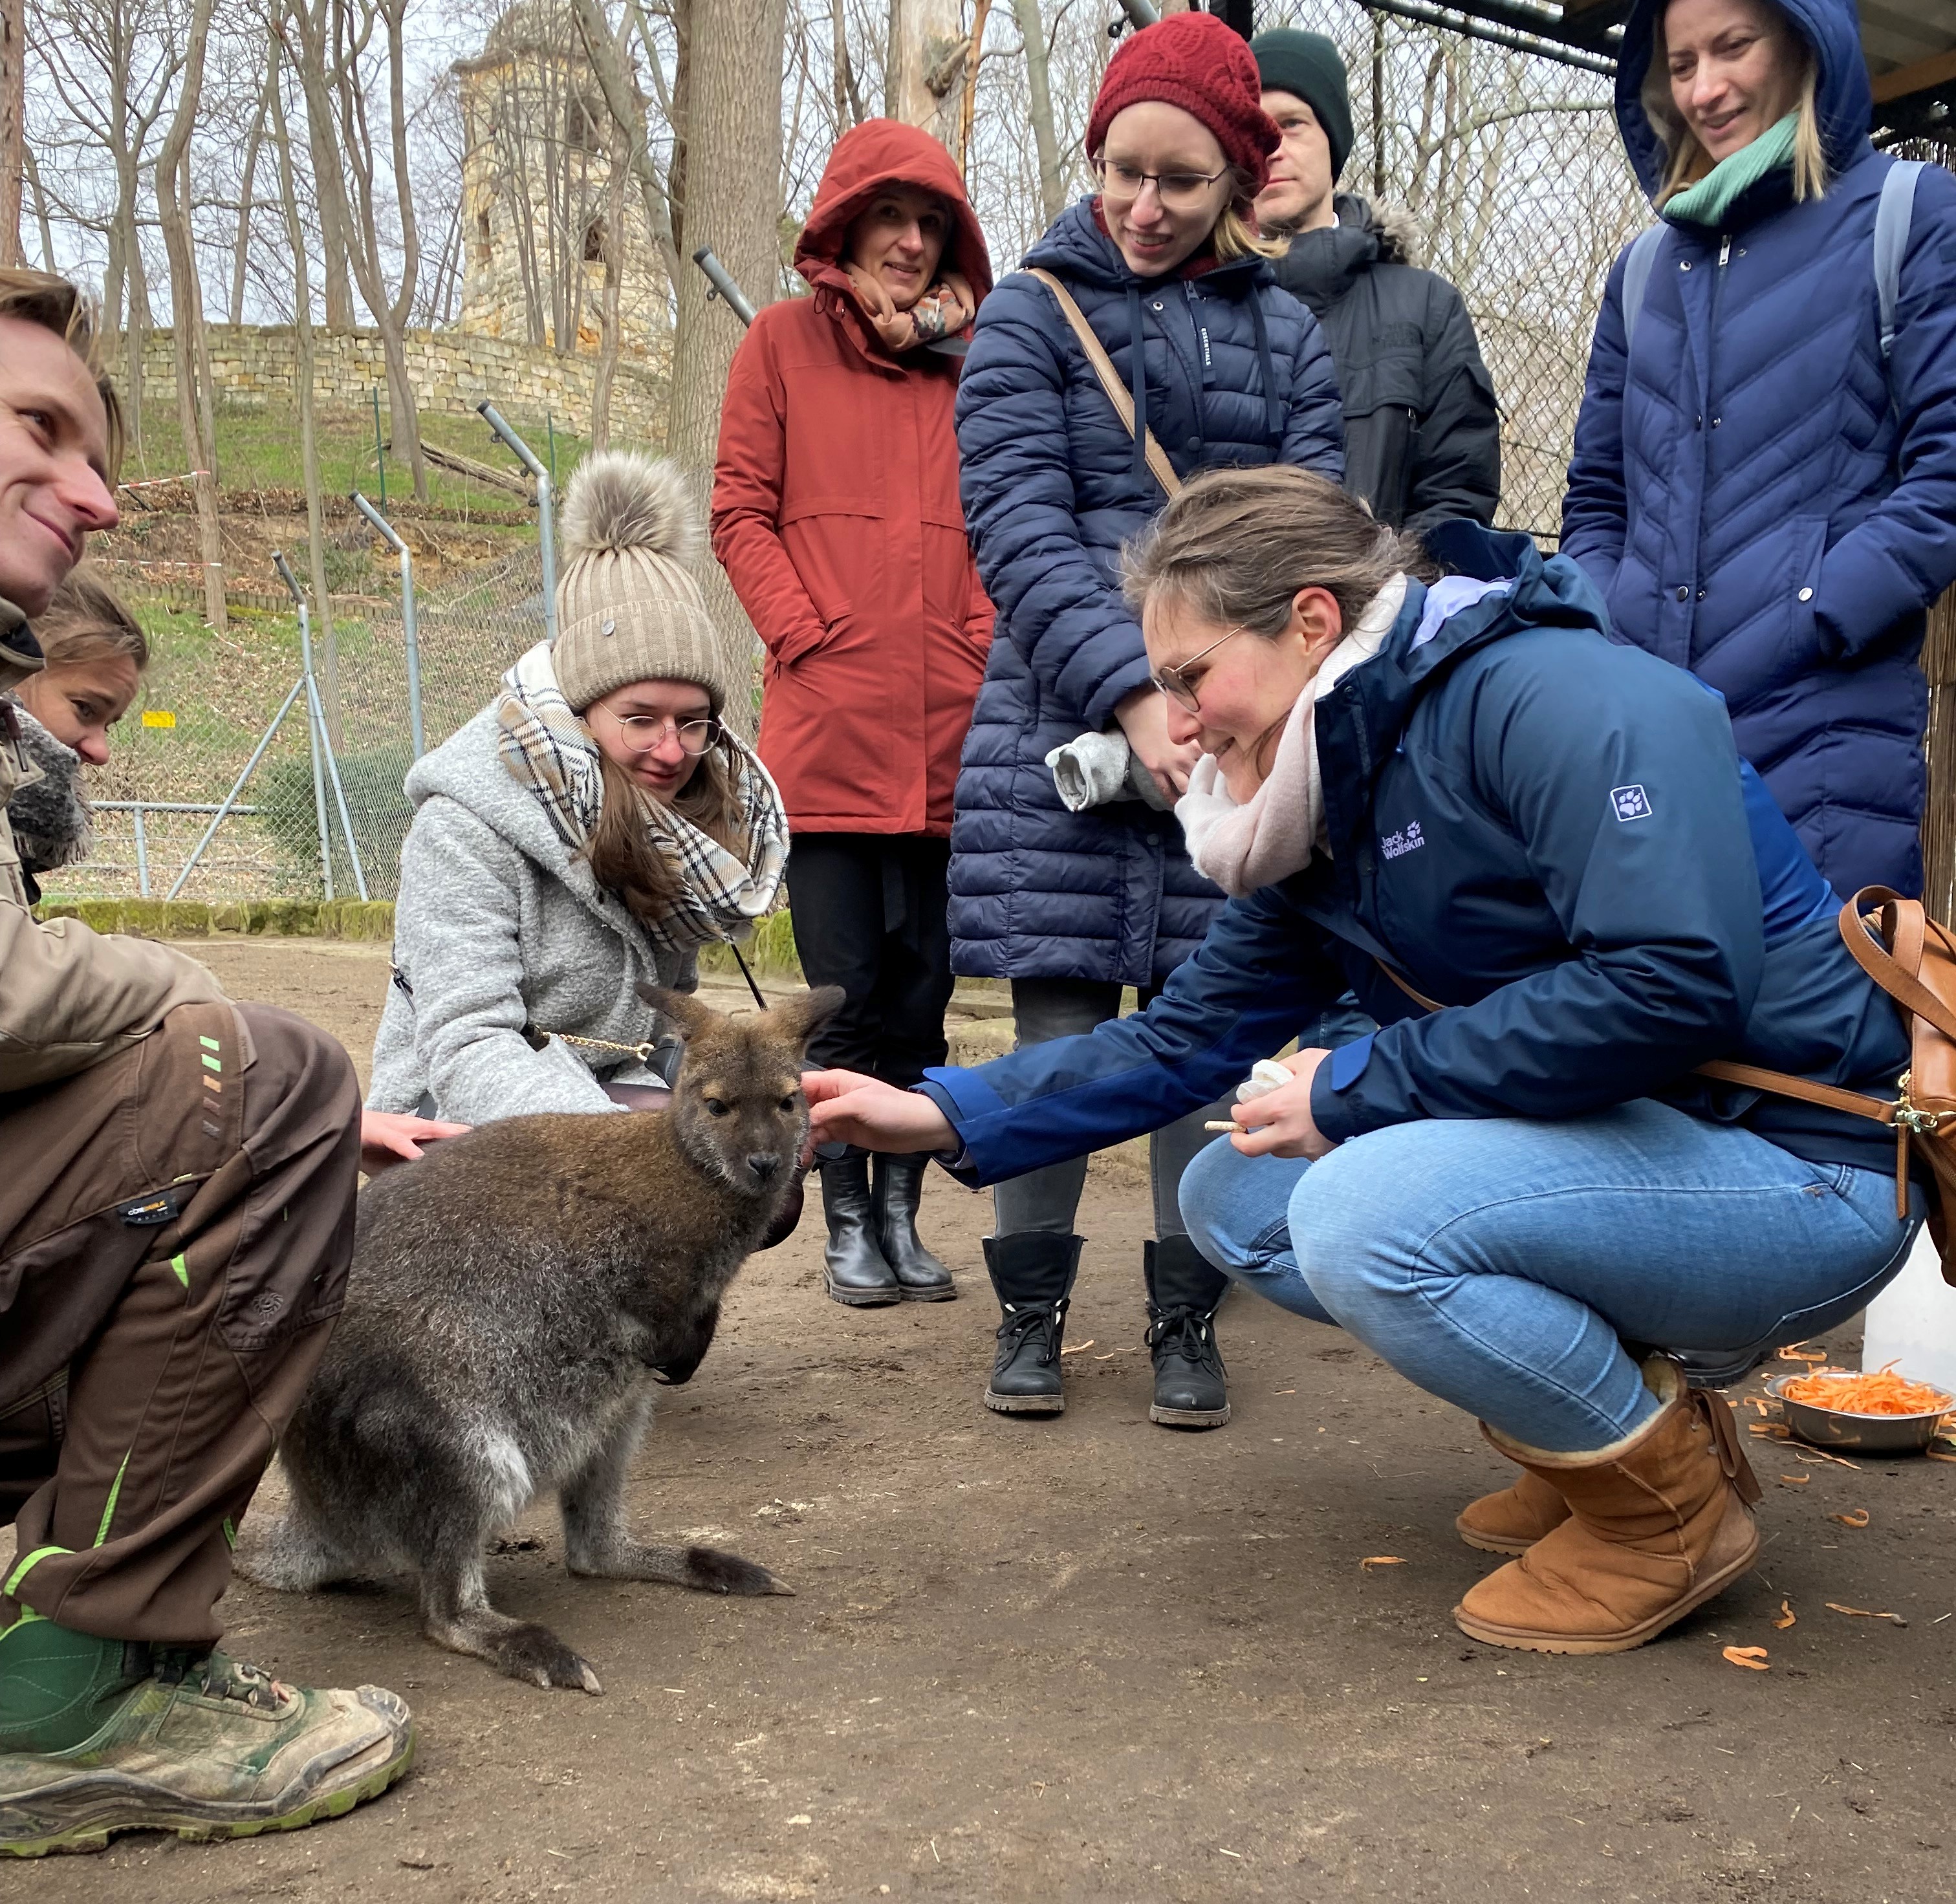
1048,1199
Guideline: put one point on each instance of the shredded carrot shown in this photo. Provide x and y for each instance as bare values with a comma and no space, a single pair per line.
1800,1480
1371,1560
1864,1613
1881,1392
1857,1518
1753,1656
1792,1352
1787,1617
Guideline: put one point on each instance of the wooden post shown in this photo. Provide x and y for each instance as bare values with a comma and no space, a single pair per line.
1939,821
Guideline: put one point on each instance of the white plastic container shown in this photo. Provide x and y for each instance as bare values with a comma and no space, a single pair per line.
1912,1323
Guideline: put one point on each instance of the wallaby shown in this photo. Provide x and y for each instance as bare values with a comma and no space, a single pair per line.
515,1297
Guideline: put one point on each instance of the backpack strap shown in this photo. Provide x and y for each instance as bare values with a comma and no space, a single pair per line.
1636,278
1893,216
1118,393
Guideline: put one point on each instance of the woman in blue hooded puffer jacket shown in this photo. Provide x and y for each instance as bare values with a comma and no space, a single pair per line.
1223,368
1760,496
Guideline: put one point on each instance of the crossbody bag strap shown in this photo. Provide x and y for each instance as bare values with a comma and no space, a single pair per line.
1118,393
1752,1076
1896,965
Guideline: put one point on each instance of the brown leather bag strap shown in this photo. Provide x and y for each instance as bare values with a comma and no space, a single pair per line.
1751,1076
1118,393
1895,967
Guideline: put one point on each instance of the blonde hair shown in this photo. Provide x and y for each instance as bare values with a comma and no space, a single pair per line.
1235,234
1237,545
1686,161
624,856
40,298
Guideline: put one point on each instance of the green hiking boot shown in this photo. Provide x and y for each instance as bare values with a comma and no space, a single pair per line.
98,1736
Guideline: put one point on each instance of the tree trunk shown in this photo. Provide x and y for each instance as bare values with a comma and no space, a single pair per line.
606,373
186,312
242,255
610,63
733,161
1039,94
308,437
13,127
926,36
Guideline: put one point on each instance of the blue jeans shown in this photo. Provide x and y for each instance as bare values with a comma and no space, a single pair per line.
1501,1264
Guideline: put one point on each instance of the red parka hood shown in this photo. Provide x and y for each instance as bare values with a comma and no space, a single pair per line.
878,153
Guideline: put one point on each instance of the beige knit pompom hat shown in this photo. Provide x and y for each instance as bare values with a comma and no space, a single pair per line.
628,608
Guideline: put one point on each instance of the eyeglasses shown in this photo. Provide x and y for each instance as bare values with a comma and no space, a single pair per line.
643,733
1175,681
1179,191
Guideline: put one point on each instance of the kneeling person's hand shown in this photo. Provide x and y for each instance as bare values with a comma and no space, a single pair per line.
1278,1124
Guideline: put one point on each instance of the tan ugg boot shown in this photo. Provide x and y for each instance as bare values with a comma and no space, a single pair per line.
1512,1520
1658,1523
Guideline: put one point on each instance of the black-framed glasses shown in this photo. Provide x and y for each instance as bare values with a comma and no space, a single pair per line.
1179,191
1175,681
643,733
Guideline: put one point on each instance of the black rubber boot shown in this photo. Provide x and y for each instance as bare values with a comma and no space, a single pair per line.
1033,1274
853,1265
899,1191
1184,1288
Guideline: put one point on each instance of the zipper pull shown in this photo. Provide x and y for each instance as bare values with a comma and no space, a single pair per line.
1724,251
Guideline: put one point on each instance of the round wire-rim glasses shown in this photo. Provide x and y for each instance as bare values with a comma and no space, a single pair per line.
643,733
1174,682
1179,191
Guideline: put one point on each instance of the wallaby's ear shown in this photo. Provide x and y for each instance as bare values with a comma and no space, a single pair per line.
801,1018
683,1008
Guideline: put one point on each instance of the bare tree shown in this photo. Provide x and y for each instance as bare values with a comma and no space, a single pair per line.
1039,102
306,354
13,126
193,408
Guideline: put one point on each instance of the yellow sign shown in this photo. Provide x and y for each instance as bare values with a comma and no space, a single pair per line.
158,717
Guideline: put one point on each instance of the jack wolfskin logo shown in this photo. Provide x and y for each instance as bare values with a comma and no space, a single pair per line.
1630,802
1394,845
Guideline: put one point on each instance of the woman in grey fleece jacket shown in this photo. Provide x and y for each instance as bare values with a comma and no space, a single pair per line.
585,833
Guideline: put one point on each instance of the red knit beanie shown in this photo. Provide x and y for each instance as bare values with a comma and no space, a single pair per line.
1192,60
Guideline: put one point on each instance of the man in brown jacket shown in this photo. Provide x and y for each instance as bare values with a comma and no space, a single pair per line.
176,1219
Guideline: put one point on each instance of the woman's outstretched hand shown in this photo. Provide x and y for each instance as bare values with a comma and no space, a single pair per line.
849,1108
391,1137
1279,1124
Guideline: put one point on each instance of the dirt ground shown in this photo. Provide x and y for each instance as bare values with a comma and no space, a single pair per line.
1092,1659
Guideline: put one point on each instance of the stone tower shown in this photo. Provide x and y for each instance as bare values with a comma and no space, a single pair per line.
543,216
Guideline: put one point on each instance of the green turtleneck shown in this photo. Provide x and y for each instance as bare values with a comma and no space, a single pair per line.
1707,202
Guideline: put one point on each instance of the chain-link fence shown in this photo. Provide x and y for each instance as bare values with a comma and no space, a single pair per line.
210,701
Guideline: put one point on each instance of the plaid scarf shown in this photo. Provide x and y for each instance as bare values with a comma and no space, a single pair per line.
547,748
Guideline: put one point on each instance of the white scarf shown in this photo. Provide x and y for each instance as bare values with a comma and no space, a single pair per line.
547,748
1274,832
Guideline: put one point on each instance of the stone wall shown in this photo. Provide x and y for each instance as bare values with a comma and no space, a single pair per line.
255,366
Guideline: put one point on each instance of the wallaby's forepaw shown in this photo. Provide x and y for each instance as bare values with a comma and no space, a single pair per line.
715,1572
535,1653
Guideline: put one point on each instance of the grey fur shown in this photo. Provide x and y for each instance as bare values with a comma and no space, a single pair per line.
618,499
50,816
515,1297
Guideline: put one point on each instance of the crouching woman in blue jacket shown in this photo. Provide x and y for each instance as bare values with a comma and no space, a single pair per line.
1456,787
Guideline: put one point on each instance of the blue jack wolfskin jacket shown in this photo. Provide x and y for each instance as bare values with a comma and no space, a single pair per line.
1761,501
1226,370
1549,833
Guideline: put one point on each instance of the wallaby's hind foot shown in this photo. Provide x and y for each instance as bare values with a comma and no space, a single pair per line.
290,1554
456,1613
707,1570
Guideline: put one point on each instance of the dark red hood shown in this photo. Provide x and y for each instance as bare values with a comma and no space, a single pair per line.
878,153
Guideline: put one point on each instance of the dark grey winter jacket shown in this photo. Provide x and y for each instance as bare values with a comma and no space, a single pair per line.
1422,441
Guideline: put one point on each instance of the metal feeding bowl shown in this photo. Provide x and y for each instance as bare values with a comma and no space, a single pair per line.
1821,1427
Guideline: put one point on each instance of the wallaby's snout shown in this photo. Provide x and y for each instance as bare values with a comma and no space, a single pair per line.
763,1164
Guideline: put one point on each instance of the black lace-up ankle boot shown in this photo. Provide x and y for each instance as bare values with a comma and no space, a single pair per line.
1033,1274
1184,1288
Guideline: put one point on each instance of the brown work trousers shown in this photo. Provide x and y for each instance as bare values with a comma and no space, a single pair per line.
175,1226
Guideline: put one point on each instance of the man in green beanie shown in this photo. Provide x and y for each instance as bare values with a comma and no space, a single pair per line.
1422,441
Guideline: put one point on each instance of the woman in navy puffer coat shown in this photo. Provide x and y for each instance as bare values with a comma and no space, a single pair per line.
1760,498
1224,368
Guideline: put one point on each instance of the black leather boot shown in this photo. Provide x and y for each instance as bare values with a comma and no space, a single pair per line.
1184,1288
899,1191
1033,1274
853,1265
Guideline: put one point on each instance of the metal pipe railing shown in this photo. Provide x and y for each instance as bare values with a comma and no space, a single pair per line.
385,528
546,508
322,739
720,281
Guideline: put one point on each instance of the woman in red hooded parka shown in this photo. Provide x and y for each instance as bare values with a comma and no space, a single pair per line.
836,516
